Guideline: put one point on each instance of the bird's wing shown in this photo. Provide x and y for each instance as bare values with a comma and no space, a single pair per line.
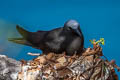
32,37
55,38
29,38
22,31
20,41
37,37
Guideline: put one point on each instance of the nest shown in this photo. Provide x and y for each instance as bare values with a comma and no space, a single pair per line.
91,65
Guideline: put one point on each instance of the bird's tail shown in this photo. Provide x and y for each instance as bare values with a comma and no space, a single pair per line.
22,31
19,41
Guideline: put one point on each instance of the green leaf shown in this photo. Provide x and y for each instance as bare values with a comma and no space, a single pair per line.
101,41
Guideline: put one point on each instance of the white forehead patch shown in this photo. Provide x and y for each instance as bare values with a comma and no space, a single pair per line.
72,23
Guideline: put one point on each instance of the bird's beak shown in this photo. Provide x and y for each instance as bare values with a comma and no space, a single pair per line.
77,31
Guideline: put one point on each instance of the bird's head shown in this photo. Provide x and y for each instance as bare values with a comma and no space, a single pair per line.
73,26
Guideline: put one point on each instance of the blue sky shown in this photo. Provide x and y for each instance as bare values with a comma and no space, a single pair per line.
98,18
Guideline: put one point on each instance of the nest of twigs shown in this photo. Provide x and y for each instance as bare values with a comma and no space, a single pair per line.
89,66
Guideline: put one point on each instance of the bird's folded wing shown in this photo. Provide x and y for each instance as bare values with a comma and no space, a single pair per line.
19,41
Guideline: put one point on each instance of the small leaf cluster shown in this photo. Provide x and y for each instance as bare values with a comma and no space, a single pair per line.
101,41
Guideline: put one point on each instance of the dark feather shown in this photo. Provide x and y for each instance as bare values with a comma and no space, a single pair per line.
19,41
68,38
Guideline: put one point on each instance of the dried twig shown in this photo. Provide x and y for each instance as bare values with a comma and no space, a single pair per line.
88,66
34,54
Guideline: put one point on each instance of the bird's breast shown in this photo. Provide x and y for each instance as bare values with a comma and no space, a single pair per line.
55,44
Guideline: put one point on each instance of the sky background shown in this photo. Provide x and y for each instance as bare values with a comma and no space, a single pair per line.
98,18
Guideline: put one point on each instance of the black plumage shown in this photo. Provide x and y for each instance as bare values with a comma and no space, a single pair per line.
68,38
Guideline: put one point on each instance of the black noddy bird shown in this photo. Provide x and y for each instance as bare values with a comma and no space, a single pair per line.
68,39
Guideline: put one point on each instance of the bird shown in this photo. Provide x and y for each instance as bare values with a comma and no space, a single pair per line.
68,38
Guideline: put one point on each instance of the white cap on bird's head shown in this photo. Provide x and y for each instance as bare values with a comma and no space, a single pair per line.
74,26
72,23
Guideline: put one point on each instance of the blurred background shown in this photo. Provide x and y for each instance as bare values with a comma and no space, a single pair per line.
98,18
